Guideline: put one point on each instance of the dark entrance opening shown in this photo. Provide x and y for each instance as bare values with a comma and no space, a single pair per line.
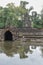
8,36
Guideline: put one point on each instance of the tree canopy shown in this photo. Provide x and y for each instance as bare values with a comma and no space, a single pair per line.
14,15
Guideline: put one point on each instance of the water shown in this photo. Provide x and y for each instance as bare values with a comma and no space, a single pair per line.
22,52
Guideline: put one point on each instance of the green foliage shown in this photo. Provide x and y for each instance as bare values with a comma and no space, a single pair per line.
20,24
36,19
10,15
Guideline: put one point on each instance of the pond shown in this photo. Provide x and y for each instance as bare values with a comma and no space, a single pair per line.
22,52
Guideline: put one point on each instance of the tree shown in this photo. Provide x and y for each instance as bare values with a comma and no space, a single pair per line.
26,16
12,15
42,17
23,4
36,21
1,17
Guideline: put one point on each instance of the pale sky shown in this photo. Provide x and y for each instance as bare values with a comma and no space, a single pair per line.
37,4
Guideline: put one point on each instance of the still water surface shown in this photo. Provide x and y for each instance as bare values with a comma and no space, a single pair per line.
21,52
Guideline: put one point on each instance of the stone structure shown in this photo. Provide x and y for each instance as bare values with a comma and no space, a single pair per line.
12,33
27,21
8,34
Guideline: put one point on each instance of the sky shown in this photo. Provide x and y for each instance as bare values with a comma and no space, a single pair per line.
37,4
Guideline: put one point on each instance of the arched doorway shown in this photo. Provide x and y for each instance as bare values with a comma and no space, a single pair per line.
8,36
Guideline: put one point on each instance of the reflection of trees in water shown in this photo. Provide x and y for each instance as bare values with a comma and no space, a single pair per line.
11,48
8,48
23,50
33,47
8,45
41,48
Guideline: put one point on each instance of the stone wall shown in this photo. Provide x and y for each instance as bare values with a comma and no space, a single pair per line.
21,31
2,32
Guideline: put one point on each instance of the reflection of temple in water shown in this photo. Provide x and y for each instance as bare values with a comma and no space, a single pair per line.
18,47
10,49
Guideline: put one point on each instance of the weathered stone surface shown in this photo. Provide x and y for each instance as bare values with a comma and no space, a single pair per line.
17,32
